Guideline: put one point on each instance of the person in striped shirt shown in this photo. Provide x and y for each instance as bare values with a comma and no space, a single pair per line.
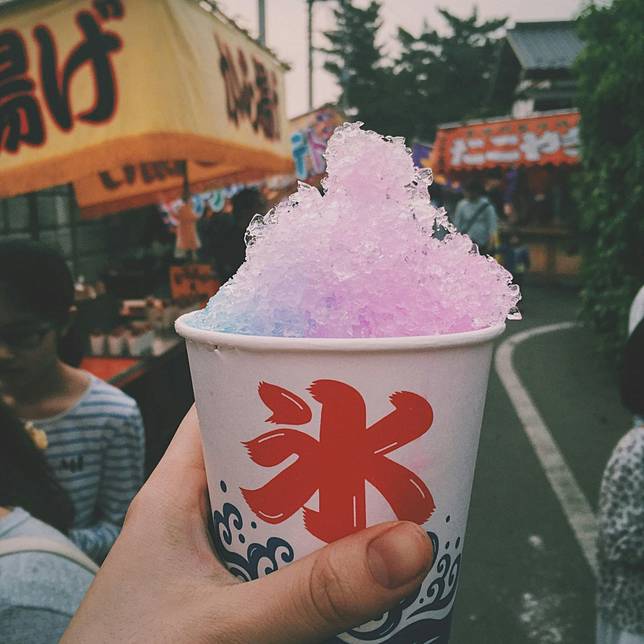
94,431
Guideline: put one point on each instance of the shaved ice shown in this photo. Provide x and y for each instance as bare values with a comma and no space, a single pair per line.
371,257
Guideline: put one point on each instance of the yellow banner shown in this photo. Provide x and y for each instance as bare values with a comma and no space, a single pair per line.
134,185
89,87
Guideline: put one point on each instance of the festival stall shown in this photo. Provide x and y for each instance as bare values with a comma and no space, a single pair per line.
526,166
134,104
310,133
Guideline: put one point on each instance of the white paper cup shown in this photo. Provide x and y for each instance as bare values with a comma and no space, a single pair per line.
306,440
116,344
97,344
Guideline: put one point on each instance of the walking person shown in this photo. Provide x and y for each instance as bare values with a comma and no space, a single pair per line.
94,431
475,216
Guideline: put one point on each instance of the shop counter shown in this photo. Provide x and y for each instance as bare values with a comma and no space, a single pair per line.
551,253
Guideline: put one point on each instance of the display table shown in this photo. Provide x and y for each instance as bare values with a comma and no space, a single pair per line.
550,256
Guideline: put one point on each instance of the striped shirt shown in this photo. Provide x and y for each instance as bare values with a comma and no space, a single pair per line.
96,451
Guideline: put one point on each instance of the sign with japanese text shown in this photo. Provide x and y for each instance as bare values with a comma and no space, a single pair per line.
93,88
537,140
133,185
191,280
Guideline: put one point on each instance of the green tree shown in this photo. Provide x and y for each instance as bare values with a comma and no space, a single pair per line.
611,188
357,61
448,77
435,78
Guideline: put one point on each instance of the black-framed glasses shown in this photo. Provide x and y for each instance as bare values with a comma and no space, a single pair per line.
25,336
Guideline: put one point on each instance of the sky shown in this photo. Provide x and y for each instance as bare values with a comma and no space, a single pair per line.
286,31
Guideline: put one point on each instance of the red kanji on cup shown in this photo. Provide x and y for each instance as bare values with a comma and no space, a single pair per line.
346,456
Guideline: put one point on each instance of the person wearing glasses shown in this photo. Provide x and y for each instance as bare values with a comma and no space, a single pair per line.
94,431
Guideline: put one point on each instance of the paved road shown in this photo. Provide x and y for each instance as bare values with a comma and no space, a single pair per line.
525,579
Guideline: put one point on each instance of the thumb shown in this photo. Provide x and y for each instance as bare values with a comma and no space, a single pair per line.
342,585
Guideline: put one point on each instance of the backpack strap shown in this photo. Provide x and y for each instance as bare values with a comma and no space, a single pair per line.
475,217
16,545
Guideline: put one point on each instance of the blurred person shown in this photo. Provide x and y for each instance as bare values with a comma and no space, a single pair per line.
43,576
229,231
514,256
246,204
511,182
95,432
163,583
494,189
188,242
620,597
475,216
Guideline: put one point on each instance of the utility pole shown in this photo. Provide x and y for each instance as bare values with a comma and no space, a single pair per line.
261,12
309,31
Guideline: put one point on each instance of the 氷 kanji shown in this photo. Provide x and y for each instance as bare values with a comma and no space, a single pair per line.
347,455
20,115
95,51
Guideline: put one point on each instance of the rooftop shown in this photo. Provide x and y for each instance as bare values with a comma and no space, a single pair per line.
552,45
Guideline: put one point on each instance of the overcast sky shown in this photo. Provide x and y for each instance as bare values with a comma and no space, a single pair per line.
286,30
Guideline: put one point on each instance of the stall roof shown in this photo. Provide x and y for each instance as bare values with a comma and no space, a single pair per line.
545,138
551,45
131,90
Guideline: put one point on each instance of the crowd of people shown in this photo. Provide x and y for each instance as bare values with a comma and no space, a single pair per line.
72,462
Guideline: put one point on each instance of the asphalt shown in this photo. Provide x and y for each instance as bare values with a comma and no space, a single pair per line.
524,579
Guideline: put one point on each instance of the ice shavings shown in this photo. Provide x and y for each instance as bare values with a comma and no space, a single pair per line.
362,260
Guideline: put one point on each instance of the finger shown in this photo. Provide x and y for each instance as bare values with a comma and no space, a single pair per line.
342,585
175,500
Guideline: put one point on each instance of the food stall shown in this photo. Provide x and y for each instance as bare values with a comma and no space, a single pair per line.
310,133
527,166
118,106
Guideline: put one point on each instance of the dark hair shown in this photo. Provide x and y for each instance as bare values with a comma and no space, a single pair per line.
632,375
26,480
474,187
37,278
246,204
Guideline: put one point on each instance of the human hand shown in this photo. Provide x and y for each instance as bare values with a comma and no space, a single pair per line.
162,583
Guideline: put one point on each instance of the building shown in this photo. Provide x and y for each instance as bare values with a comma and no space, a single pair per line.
536,66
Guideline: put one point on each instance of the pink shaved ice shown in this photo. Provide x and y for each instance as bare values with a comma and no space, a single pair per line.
362,260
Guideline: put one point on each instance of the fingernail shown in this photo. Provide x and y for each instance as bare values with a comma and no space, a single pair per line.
399,555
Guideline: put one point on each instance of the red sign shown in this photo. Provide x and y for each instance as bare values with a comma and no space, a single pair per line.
536,140
191,280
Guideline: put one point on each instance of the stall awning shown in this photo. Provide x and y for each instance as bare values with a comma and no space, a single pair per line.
110,93
537,140
134,185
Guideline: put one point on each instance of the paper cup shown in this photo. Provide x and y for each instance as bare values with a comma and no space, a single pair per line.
97,344
307,440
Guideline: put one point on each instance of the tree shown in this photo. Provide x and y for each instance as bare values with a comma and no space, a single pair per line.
611,188
449,77
435,78
360,67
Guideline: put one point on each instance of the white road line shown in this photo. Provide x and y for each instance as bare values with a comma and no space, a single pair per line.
578,512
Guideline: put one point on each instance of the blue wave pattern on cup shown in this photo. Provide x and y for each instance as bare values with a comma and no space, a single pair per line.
414,620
